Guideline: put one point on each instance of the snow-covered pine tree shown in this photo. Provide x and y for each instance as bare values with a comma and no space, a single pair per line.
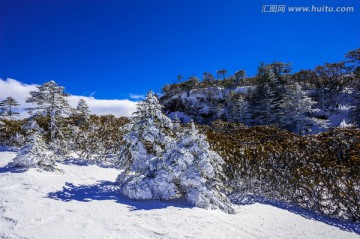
8,108
82,109
81,113
147,135
295,111
50,101
35,153
155,166
196,170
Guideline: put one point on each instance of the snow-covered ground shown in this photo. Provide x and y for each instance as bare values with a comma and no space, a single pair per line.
82,202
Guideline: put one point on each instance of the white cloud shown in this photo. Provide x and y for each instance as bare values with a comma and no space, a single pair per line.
20,92
103,107
137,97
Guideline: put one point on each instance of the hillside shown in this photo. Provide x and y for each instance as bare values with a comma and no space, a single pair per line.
303,102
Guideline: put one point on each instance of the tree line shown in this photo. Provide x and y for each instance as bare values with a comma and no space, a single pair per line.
62,127
298,102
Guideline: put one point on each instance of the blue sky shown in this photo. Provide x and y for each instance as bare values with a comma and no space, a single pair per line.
113,48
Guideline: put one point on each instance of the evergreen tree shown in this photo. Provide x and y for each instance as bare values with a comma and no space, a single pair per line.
266,97
82,108
221,73
50,100
8,108
262,105
295,111
208,79
190,84
147,135
196,171
81,113
240,110
239,77
155,166
35,153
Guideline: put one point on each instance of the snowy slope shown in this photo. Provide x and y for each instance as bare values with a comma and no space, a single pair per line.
82,202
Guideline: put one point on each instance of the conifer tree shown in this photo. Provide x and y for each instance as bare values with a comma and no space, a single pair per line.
147,135
81,113
221,73
295,111
82,108
50,100
156,166
208,79
269,92
35,153
240,111
196,170
262,103
8,108
239,77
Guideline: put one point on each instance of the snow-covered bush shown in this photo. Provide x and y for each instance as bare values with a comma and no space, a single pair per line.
35,153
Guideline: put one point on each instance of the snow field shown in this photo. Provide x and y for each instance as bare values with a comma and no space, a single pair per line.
82,202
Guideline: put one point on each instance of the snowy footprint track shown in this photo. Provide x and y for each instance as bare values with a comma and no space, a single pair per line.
83,202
